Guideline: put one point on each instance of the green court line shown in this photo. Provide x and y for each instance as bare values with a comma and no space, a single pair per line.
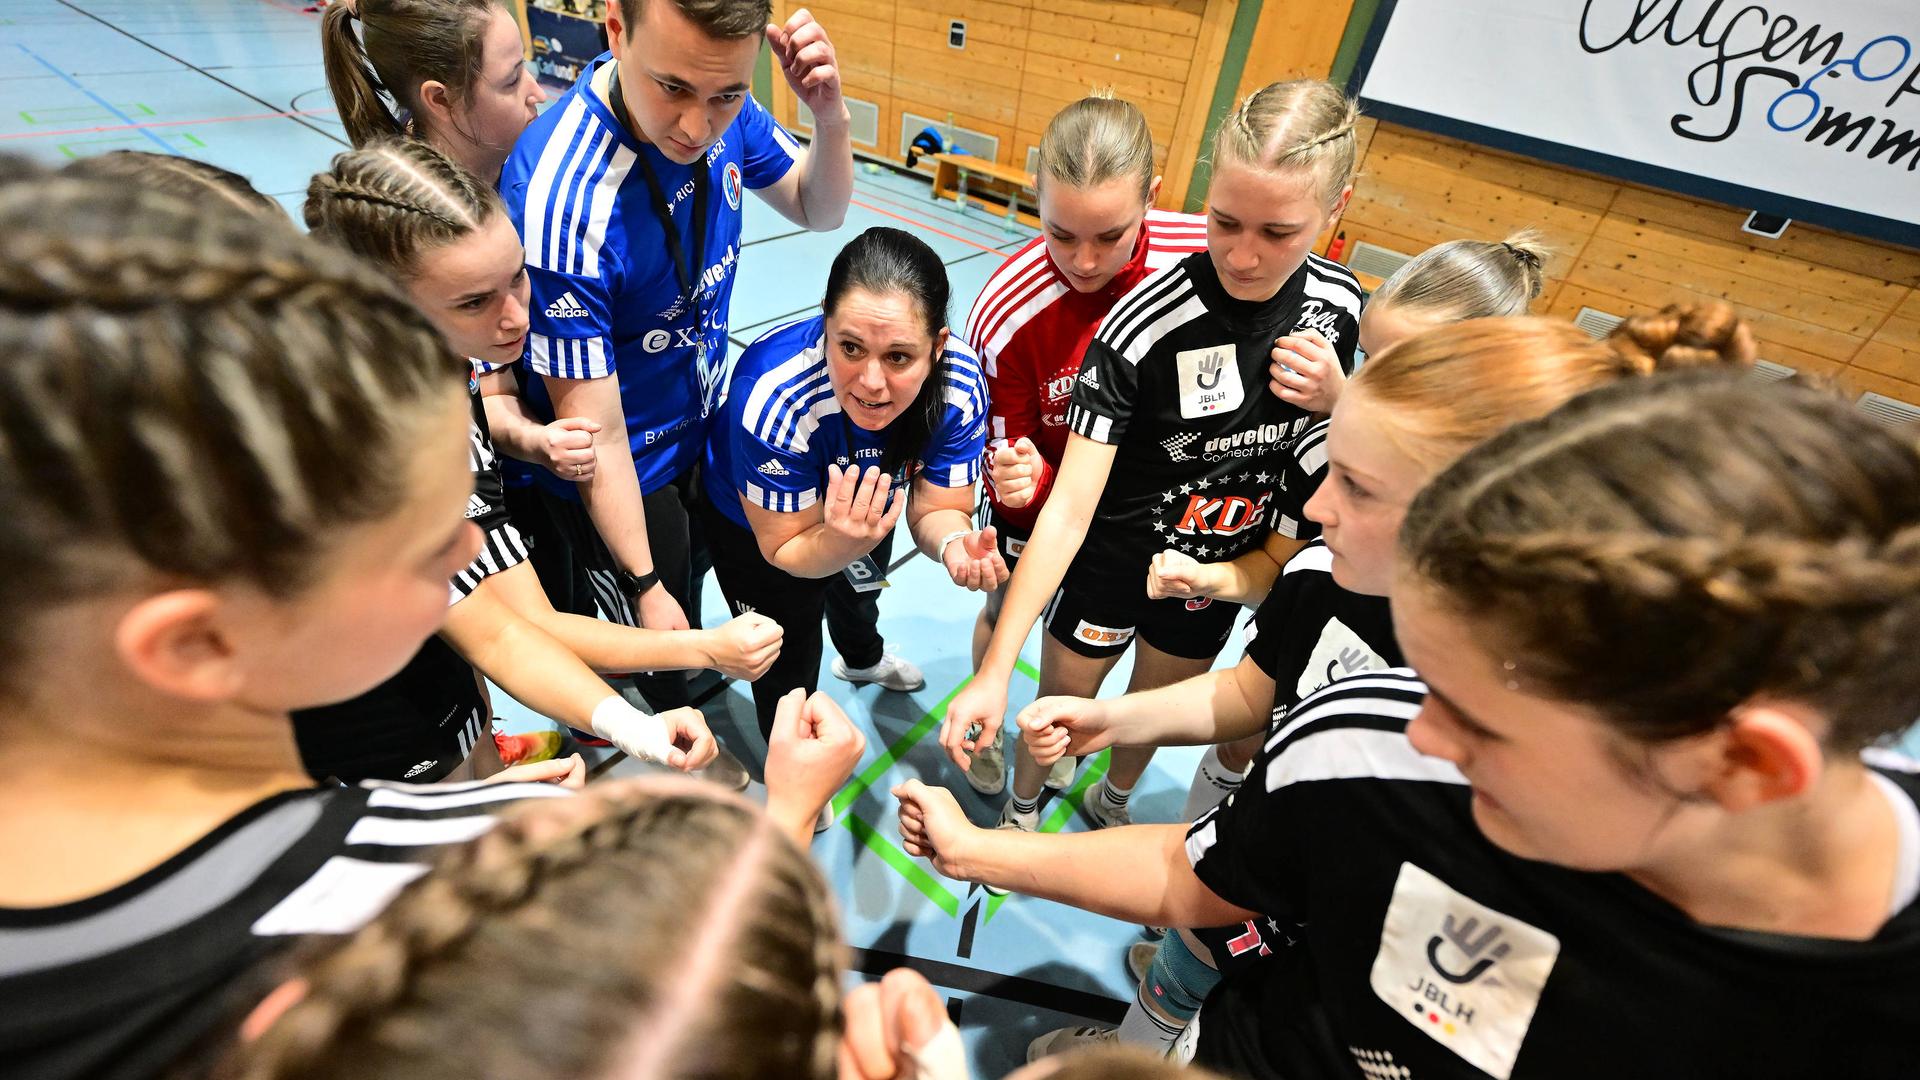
1068,805
60,113
67,148
905,865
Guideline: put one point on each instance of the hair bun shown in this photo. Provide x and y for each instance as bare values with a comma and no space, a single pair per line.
1684,336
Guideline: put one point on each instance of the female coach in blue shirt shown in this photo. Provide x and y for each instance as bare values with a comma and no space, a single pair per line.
824,419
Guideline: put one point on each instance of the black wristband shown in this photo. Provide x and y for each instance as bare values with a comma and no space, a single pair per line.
637,585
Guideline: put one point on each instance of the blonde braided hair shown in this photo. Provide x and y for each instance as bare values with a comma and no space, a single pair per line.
1664,550
1302,124
659,928
207,395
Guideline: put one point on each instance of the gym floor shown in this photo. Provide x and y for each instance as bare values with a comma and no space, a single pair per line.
239,83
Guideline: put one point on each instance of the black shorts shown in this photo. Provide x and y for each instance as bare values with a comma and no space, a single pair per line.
1011,539
1100,608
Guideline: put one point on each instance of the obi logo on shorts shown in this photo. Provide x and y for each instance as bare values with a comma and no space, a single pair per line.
1102,635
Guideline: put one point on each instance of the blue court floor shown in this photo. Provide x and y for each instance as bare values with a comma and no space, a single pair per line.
239,83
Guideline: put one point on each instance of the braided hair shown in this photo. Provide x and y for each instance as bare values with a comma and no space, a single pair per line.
1664,550
394,200
655,929
1302,124
204,395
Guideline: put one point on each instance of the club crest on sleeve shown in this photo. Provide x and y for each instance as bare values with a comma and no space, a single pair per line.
731,184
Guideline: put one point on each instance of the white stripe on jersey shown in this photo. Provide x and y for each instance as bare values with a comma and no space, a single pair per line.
429,799
1357,754
1015,293
554,157
418,832
571,195
1311,450
1333,291
606,192
1141,304
772,403
342,896
1313,557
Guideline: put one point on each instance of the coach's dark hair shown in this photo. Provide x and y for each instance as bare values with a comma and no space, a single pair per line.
883,260
661,929
182,177
727,20
1664,550
401,44
190,395
393,200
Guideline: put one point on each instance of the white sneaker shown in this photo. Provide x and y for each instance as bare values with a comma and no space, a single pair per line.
1063,1040
1060,777
826,819
1104,814
891,673
1140,956
1010,820
988,773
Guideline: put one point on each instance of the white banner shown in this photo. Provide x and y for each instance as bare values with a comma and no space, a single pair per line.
1811,106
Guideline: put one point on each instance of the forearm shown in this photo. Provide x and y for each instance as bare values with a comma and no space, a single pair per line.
1050,550
929,528
826,179
819,552
1209,708
524,660
613,500
1136,873
514,430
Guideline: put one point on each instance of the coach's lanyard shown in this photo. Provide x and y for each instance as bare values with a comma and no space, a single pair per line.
687,265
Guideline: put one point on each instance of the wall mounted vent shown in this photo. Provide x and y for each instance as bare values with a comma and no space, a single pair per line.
1033,160
865,126
1768,371
977,143
1373,259
1596,322
1890,411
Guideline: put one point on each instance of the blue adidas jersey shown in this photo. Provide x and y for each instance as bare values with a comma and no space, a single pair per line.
782,426
606,299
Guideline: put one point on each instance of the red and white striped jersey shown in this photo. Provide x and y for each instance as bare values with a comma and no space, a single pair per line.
1031,329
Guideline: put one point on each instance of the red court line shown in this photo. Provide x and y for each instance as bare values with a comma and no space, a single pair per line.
927,227
164,123
930,207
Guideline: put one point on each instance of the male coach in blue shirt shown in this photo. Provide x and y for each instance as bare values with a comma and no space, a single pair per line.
627,194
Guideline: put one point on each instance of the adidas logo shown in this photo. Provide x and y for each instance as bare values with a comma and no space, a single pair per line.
566,308
476,506
772,468
1089,379
420,768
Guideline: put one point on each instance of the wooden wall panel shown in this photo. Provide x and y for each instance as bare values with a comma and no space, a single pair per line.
1294,39
1820,302
1023,63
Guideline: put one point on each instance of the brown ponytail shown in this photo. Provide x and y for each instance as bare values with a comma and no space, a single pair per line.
399,45
1667,549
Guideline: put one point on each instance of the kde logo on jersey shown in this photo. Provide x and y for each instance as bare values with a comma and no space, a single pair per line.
730,183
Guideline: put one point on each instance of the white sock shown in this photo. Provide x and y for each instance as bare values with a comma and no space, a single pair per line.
1027,810
1114,794
1212,783
1142,1027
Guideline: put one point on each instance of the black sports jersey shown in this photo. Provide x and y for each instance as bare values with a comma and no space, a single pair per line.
1309,631
1176,377
1429,953
487,506
116,986
1301,471
418,725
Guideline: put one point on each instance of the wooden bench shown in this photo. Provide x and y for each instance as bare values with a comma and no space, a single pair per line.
955,174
